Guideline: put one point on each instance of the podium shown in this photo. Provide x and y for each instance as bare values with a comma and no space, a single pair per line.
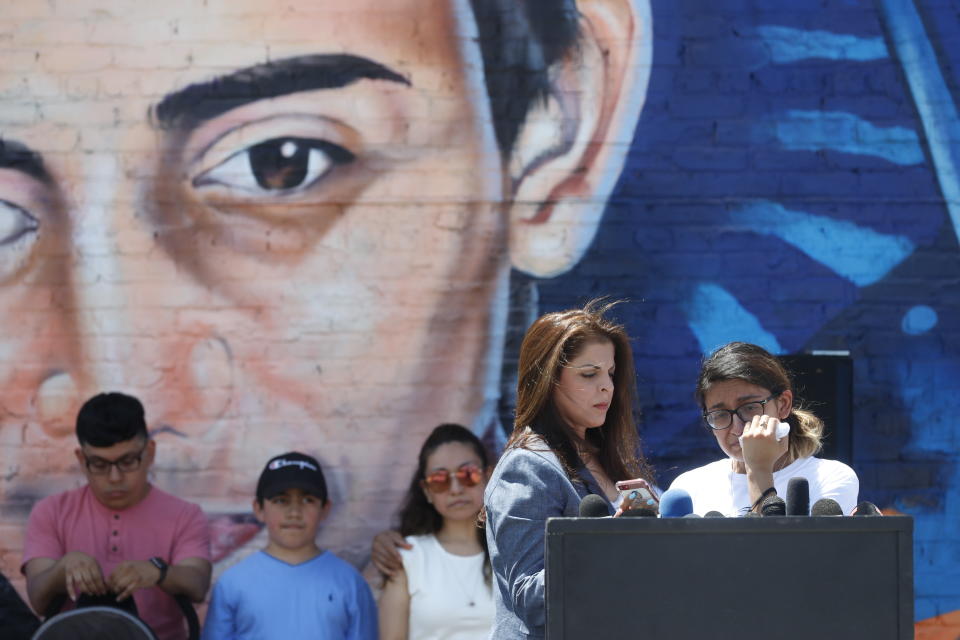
788,578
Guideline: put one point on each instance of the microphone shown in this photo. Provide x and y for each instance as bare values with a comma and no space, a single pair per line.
713,514
593,506
866,509
692,515
798,497
675,503
773,506
826,507
639,512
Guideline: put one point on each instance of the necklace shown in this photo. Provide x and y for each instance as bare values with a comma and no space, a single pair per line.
451,567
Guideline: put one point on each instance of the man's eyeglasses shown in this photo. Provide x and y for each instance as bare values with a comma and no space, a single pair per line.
439,481
720,419
101,467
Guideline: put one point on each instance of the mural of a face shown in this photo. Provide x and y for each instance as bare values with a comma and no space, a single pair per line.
281,228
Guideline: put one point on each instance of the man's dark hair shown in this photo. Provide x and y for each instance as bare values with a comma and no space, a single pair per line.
109,418
519,42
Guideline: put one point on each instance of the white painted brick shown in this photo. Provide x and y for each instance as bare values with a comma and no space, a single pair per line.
16,60
17,113
73,58
36,32
176,55
224,57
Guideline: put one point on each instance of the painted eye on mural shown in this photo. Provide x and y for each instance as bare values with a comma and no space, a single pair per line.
15,223
17,230
280,165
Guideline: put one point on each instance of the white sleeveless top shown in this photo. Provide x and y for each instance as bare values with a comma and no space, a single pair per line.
449,599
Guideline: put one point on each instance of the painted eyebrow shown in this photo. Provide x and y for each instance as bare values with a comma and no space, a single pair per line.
19,157
202,101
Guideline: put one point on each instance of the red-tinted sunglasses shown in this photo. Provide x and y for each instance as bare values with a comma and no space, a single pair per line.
439,481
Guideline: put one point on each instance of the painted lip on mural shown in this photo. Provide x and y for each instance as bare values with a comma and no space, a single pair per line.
229,532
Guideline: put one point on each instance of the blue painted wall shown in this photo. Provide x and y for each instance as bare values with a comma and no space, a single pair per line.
791,183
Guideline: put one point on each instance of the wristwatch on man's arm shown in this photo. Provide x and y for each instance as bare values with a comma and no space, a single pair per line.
162,565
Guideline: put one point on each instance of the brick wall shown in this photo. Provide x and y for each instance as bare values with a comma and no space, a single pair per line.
784,185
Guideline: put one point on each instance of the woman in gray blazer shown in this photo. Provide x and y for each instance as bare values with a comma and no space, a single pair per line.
574,434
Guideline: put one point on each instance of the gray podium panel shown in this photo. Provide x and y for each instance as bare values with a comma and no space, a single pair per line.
788,578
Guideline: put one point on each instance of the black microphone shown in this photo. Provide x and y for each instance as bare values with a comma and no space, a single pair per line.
773,506
593,506
713,514
866,509
798,497
639,512
826,507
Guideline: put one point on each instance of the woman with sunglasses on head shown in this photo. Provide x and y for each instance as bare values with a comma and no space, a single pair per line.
442,591
744,393
574,435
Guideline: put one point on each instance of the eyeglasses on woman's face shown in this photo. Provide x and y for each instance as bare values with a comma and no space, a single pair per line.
720,419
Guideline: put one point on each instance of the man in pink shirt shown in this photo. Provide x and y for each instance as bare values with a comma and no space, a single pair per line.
118,534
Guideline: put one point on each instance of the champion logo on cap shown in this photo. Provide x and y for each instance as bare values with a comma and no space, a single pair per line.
292,470
280,463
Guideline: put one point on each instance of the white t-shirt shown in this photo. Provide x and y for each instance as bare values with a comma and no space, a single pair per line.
442,587
715,487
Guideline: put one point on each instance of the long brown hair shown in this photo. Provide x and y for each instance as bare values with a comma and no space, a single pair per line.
756,365
550,343
417,516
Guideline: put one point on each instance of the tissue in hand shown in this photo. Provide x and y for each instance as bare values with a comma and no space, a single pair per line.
783,429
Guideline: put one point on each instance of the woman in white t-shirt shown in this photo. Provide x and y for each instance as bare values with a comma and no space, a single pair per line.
443,591
744,392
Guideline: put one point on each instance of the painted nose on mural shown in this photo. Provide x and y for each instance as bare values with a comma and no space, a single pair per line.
130,321
102,349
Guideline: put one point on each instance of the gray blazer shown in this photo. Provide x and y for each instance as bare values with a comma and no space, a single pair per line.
527,487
